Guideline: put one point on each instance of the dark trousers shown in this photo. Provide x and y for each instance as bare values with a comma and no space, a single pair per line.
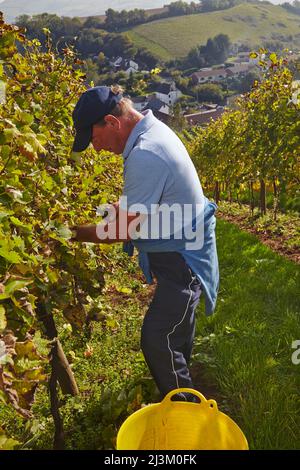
169,325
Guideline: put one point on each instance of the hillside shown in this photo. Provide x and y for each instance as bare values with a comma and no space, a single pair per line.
250,24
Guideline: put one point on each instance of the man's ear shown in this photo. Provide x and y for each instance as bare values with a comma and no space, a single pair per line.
112,121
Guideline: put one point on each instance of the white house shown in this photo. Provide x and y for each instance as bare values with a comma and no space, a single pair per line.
209,75
128,65
168,93
216,75
131,67
116,63
157,105
239,69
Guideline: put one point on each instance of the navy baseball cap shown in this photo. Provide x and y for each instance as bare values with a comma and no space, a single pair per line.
91,107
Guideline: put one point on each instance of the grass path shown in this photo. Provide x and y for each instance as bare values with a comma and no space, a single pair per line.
246,347
282,235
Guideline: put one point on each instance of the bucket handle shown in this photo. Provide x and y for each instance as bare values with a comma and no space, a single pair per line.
167,404
211,403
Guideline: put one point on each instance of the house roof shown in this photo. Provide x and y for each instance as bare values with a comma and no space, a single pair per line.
130,69
239,68
244,54
122,63
209,73
208,106
132,63
204,117
241,59
166,118
139,99
155,104
164,88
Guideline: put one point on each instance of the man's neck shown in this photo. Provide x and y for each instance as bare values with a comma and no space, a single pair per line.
135,117
132,120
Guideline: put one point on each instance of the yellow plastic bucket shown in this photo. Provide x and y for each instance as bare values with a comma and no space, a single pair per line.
179,425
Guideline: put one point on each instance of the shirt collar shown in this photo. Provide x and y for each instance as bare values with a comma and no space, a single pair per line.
142,126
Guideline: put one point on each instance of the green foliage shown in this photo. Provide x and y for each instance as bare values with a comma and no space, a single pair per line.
7,443
209,92
285,230
182,8
63,29
212,5
92,44
215,51
87,39
110,370
258,142
116,20
43,191
243,84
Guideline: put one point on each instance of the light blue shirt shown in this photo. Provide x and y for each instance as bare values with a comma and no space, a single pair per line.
159,171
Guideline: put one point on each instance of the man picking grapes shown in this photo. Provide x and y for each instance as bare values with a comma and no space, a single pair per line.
161,186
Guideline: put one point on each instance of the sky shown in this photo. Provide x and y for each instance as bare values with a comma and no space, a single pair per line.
145,3
125,4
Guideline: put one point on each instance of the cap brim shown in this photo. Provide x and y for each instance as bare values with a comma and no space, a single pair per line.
82,139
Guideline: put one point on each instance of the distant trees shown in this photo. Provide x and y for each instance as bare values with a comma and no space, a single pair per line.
182,83
209,92
178,122
215,51
271,45
89,42
182,8
195,58
116,20
119,45
92,71
292,7
146,57
60,27
211,5
93,44
87,38
244,84
93,22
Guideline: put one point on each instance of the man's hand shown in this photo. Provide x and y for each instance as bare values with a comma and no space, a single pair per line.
85,233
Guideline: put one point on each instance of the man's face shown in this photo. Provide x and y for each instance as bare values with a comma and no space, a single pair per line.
111,136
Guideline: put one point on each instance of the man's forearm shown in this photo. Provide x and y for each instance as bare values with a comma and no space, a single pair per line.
88,234
114,229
